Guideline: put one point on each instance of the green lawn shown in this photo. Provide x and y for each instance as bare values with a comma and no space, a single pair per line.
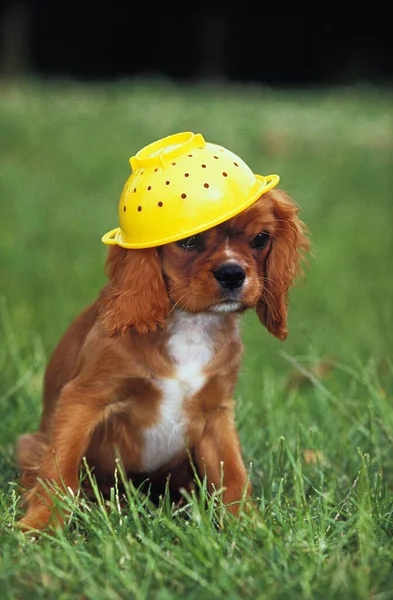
315,413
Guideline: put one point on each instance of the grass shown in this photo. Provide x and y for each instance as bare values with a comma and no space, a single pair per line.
314,414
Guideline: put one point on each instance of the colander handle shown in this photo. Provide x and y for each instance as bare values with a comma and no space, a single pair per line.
110,238
270,181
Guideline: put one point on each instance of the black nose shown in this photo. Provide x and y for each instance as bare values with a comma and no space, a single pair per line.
230,277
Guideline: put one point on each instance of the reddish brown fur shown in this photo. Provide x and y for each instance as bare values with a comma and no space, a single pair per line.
101,390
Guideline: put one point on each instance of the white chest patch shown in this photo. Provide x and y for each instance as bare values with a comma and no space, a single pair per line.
191,348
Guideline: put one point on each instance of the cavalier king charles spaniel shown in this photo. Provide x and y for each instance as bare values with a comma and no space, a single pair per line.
147,373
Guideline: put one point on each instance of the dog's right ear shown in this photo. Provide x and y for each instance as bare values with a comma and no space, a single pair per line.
290,244
135,296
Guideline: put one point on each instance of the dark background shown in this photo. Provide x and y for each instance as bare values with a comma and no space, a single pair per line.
195,41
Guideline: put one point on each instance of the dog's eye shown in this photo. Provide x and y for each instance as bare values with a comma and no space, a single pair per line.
260,240
195,242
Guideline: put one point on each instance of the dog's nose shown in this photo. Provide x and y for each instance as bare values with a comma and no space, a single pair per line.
230,277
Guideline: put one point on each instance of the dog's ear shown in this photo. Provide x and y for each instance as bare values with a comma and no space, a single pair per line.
283,264
135,296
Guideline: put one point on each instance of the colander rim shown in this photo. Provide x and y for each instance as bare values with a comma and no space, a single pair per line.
113,237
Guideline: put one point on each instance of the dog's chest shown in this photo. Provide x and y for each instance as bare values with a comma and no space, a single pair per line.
191,348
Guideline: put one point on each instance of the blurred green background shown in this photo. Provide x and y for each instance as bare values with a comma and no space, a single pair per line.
64,159
64,150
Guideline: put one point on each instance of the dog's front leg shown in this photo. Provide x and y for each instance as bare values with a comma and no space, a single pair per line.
218,456
77,414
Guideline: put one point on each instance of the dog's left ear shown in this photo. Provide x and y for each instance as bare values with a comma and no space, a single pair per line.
289,244
135,296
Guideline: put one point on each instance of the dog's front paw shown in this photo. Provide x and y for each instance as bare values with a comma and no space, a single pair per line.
36,519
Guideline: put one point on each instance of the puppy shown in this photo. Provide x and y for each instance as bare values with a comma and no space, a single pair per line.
148,371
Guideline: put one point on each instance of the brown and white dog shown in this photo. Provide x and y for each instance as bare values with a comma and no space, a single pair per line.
149,370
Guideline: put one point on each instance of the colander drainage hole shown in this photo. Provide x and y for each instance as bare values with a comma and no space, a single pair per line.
159,204
149,188
124,208
225,174
186,174
203,166
139,208
167,182
205,185
184,196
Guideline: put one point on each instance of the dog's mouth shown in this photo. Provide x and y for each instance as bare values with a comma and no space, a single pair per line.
227,306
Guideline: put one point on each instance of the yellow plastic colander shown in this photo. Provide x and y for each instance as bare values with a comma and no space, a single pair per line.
179,186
